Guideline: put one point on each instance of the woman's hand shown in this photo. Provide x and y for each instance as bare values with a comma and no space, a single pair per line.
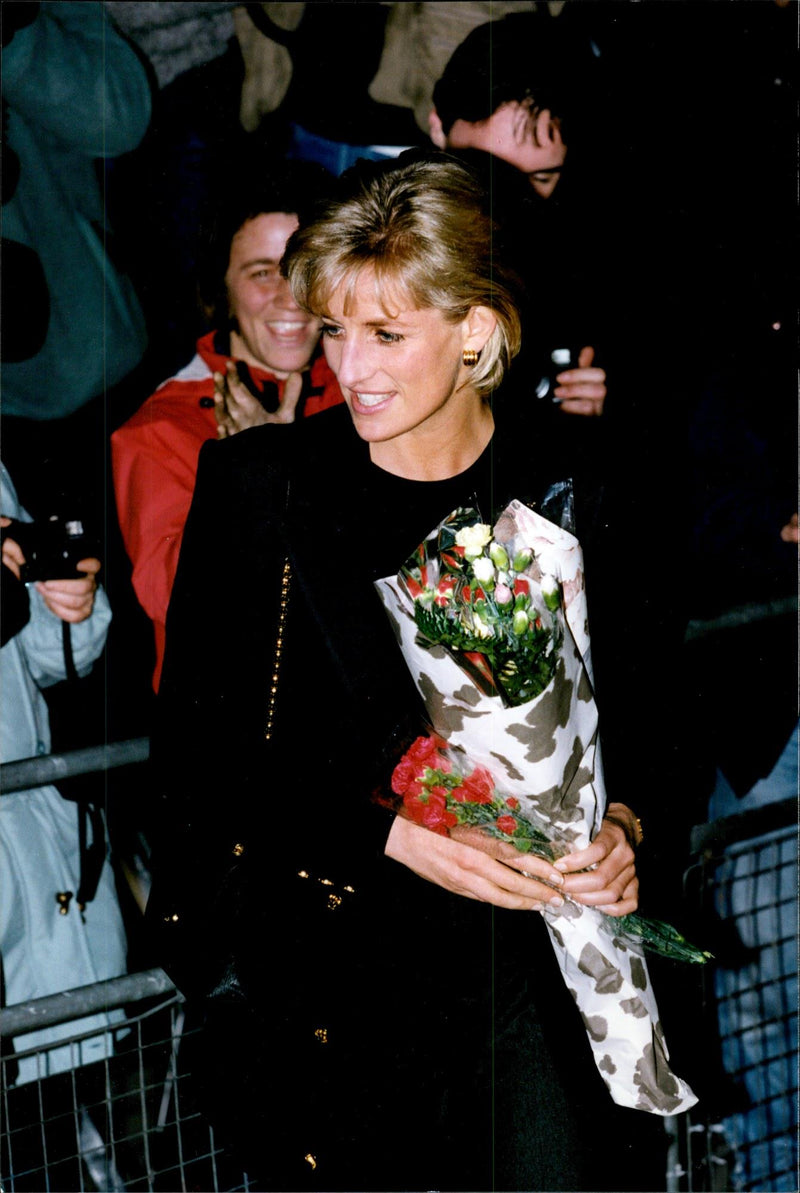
582,390
236,409
72,600
611,883
472,872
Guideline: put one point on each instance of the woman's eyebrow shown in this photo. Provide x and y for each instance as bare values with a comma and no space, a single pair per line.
259,261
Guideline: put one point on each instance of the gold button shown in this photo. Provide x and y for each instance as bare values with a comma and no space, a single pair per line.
322,1034
238,850
312,1160
334,901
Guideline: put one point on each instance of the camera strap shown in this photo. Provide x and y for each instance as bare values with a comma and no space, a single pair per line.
92,856
69,658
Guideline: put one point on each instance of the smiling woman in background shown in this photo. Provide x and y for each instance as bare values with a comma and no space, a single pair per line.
256,324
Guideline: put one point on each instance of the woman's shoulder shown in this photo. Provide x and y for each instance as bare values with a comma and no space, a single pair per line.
317,443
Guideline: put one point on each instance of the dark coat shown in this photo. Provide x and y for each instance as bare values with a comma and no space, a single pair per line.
344,996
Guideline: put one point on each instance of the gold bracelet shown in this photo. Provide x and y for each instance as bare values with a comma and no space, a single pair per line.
634,834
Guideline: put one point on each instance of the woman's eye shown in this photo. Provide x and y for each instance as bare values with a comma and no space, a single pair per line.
388,337
265,275
331,330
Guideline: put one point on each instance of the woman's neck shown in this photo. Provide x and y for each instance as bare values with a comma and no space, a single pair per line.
433,454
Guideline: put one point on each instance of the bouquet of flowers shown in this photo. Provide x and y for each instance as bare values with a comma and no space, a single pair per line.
493,627
439,791
475,598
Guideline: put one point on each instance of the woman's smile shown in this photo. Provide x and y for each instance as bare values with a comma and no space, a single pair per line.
370,401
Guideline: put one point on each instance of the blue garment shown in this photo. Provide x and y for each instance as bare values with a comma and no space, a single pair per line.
336,156
43,951
75,92
757,1001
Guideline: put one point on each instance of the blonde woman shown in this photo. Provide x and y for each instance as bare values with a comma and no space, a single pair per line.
383,1011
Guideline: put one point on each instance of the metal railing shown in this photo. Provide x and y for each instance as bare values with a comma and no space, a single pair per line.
130,1121
27,773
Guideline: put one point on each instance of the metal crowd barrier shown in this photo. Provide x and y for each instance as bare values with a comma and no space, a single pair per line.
744,889
54,768
129,1121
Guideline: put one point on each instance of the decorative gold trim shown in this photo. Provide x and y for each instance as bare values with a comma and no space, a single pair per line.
286,579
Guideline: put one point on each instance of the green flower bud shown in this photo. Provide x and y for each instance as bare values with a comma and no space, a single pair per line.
498,555
551,593
522,560
520,622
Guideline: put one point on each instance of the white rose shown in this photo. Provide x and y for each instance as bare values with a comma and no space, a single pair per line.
483,570
473,539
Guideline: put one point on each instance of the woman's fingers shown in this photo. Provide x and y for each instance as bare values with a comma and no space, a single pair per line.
604,873
236,409
581,391
466,871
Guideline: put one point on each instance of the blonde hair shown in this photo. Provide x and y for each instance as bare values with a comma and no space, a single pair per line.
421,223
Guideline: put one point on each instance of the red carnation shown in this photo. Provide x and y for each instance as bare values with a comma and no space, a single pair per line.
512,802
506,824
424,752
521,586
431,811
404,775
478,787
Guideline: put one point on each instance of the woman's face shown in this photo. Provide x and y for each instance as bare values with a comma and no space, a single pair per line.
272,332
400,375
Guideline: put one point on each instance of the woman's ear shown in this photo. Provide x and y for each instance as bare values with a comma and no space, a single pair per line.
478,327
437,132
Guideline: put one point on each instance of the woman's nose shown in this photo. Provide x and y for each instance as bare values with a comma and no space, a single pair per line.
284,297
350,362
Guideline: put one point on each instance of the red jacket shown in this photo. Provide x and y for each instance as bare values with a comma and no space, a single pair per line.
154,459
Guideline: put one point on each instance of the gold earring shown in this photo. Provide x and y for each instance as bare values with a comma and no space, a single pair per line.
470,357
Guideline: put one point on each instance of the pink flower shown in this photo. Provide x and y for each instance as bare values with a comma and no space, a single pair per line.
503,594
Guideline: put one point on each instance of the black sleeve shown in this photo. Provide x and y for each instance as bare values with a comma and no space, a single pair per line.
204,757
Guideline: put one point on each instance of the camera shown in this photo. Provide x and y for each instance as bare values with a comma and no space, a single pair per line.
560,360
53,547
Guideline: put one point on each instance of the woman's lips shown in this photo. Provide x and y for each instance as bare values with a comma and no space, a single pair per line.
285,330
368,403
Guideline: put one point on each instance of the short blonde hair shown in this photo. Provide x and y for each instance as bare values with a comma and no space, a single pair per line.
421,222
